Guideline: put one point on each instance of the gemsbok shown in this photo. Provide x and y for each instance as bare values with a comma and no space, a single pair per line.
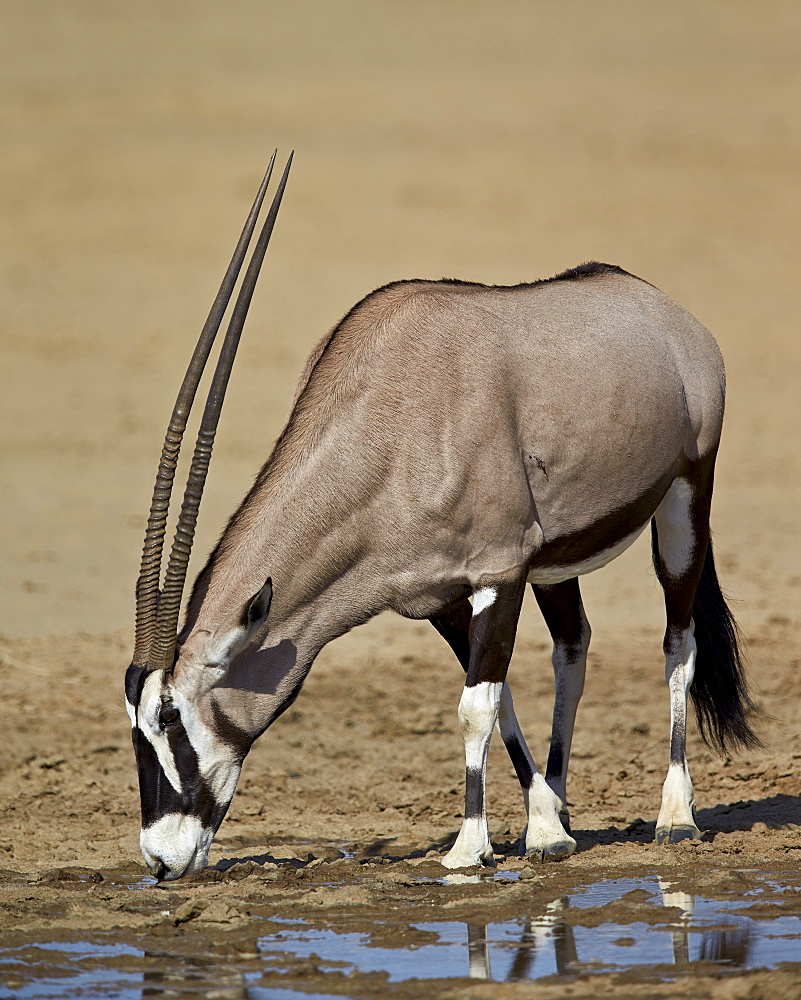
448,443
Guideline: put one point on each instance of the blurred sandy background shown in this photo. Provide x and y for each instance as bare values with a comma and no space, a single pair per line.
496,142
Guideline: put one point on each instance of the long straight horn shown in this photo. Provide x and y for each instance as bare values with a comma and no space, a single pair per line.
147,587
162,654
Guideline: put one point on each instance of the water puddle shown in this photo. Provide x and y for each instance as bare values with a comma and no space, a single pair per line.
83,969
690,929
611,925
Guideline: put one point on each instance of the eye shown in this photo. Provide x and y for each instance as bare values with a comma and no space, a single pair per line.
169,715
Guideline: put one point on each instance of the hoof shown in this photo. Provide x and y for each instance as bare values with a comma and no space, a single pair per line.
453,861
675,834
553,852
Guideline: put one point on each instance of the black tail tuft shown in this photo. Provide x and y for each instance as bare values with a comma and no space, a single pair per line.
719,690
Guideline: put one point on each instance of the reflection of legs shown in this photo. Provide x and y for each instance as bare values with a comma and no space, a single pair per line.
478,952
681,930
551,931
682,533
496,610
563,612
520,969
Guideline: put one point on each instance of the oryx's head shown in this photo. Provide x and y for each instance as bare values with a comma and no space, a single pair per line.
189,749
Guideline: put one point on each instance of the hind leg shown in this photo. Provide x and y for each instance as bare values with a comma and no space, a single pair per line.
564,615
681,536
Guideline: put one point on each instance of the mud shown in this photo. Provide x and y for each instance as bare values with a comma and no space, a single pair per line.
497,144
361,927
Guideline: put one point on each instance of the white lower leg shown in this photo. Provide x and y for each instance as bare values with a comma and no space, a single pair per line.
676,820
478,711
545,835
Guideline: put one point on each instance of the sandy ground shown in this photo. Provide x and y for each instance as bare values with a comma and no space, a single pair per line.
494,142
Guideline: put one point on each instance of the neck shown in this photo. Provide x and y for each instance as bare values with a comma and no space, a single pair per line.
308,527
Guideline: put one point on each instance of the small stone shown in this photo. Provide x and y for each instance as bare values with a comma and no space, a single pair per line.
188,911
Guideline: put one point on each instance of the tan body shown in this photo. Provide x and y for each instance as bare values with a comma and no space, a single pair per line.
449,442
450,435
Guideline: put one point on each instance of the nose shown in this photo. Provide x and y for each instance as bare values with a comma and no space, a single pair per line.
155,864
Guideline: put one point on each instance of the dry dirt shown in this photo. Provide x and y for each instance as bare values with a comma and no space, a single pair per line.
494,142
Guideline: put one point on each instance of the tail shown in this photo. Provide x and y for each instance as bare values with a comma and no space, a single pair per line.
719,690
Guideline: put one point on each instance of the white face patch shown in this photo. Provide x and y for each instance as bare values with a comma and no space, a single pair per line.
483,599
179,843
177,833
675,529
549,575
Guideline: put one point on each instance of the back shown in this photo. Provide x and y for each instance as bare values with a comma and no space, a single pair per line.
545,405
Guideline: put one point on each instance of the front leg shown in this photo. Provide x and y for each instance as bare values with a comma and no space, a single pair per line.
496,610
454,626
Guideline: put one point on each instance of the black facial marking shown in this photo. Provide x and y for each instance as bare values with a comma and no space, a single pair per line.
135,678
157,797
197,798
230,733
519,761
474,794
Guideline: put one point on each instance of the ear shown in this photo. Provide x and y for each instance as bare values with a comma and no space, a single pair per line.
218,651
257,609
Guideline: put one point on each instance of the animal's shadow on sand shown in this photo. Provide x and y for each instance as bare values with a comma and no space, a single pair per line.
379,850
775,811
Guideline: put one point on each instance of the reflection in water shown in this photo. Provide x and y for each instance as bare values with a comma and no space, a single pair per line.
478,951
194,978
681,938
554,942
726,946
551,937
